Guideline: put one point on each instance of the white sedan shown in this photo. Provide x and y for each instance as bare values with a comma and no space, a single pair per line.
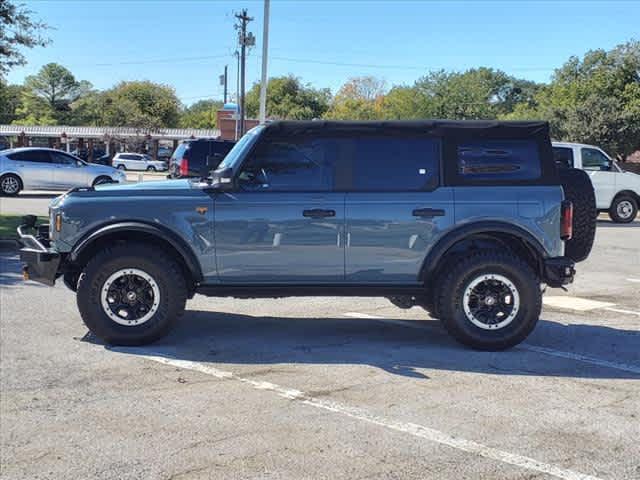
49,169
138,161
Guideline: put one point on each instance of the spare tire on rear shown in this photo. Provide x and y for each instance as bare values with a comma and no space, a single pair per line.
578,189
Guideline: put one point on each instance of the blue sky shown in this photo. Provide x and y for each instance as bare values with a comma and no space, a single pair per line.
187,43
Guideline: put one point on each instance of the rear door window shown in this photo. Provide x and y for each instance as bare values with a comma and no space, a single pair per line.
37,156
498,160
393,163
563,156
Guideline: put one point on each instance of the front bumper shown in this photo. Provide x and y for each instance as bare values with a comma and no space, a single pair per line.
558,271
40,263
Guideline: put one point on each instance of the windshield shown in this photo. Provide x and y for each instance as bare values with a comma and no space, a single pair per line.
239,148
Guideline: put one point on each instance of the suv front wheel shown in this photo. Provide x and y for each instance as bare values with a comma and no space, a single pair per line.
490,301
128,297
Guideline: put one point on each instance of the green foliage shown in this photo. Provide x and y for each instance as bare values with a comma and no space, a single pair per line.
201,114
144,105
10,101
361,98
48,95
288,98
17,30
595,100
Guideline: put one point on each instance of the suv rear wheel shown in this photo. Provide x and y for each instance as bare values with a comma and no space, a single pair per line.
624,209
490,301
127,297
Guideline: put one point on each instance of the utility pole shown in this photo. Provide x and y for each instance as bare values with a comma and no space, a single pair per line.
237,112
245,40
223,81
265,50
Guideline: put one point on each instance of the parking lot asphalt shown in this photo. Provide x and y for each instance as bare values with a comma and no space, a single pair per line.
335,388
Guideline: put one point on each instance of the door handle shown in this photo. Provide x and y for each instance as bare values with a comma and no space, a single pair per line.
318,213
428,212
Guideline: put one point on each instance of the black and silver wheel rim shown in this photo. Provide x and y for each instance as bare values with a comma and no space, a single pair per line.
130,297
491,301
624,209
10,185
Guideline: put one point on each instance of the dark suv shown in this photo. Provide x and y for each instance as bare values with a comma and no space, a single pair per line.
468,220
193,157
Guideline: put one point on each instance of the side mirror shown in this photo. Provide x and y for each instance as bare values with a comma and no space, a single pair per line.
222,179
606,166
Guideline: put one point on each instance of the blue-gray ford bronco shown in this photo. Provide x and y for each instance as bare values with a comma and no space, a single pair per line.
466,219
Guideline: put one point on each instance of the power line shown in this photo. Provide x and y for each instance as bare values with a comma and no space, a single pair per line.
304,60
163,60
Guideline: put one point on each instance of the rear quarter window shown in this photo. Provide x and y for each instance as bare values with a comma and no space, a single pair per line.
498,160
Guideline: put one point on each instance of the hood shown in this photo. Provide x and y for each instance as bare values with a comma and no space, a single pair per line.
107,170
159,185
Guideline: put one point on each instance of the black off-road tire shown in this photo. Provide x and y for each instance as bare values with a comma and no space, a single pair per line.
578,189
451,295
164,270
631,202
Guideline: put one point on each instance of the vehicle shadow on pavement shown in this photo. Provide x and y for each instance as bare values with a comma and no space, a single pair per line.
234,339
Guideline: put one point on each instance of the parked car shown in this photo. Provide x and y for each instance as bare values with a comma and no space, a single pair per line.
103,160
138,161
194,157
83,154
464,219
164,153
49,169
617,191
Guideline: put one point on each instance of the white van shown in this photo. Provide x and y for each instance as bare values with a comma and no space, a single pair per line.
617,191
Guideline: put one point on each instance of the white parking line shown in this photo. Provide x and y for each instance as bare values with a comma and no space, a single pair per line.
574,303
634,280
580,358
412,429
523,346
622,310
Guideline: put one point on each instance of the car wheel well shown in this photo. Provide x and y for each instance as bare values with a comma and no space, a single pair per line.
131,236
627,193
11,174
98,179
489,241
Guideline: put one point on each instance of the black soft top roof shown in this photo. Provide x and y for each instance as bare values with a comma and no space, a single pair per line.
464,128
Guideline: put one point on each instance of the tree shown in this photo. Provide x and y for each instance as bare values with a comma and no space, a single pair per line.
595,99
479,93
361,98
201,114
289,98
17,30
54,87
10,101
141,104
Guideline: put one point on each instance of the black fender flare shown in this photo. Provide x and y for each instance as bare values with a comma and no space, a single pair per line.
163,233
431,261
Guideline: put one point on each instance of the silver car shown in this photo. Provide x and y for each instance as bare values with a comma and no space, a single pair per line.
33,168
